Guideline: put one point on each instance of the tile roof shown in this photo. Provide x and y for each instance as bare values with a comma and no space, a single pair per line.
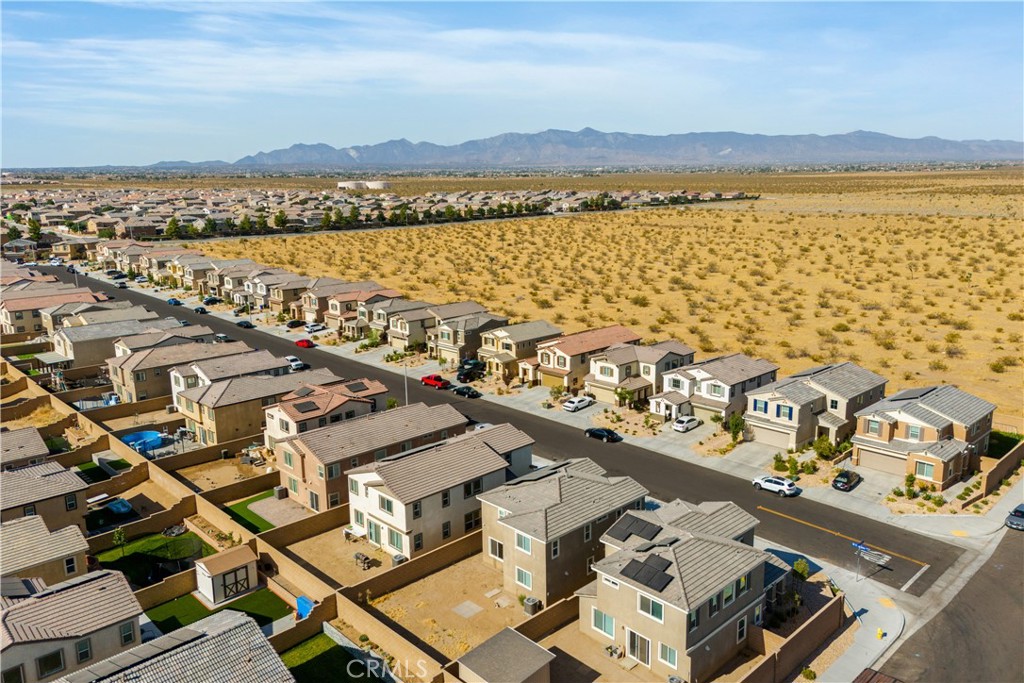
71,609
367,433
174,354
533,329
508,656
19,444
456,309
725,519
733,368
35,483
249,388
552,501
226,646
843,379
27,543
416,474
235,365
503,438
113,330
176,333
792,389
589,341
936,405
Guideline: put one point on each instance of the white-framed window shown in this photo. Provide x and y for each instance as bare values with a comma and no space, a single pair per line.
693,619
359,518
760,406
833,404
386,504
69,565
716,389
651,607
524,543
127,631
380,453
293,484
417,509
604,623
555,548
353,486
588,532
496,549
758,615
395,539
70,502
873,427
612,583
524,578
472,488
784,412
667,655
924,470
446,499
714,604
333,499
320,471
560,361
287,458
472,520
914,432
606,371
49,664
743,584
334,470
639,648
446,530
741,630
83,650
728,594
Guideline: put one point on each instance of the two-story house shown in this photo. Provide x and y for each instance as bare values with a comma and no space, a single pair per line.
146,374
317,296
22,447
48,490
194,273
937,433
47,631
362,324
54,316
380,312
20,310
794,411
456,336
632,372
311,464
417,501
502,347
203,372
309,408
716,386
679,601
88,345
287,292
232,408
153,338
32,550
565,361
542,530
343,307
408,328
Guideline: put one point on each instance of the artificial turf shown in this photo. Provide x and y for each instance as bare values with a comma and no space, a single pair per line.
241,513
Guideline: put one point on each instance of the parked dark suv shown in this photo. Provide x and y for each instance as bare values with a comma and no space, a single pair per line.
466,375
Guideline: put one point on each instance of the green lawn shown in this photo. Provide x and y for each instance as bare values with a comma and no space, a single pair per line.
25,356
141,556
1000,443
241,513
321,660
119,464
261,605
92,473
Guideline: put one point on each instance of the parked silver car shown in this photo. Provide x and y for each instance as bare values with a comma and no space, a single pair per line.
1015,520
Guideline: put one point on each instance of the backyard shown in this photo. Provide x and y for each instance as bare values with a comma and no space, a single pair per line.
241,513
149,559
321,660
262,605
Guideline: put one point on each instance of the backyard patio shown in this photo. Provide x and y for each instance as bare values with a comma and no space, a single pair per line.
334,555
217,473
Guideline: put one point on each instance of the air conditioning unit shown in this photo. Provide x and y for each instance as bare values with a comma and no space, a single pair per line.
224,454
280,492
398,559
531,606
171,409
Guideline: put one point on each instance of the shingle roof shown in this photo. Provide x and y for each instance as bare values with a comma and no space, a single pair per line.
734,368
225,646
554,500
843,379
174,332
503,438
27,543
35,483
414,475
591,340
936,406
72,609
508,656
242,389
349,438
19,444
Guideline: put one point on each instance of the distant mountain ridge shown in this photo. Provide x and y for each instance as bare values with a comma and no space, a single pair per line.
589,147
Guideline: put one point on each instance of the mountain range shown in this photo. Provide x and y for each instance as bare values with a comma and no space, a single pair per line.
589,147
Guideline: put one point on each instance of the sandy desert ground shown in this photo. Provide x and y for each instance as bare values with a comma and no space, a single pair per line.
916,276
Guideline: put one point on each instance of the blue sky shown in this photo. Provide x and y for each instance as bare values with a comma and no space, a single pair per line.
136,83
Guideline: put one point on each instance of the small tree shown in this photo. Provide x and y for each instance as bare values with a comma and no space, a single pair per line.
35,231
794,466
736,425
557,391
13,233
801,569
624,396
173,229
392,402
106,233
824,448
717,419
119,539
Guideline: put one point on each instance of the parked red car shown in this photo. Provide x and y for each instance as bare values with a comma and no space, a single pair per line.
305,343
436,381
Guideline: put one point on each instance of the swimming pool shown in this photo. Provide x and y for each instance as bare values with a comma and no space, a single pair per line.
144,441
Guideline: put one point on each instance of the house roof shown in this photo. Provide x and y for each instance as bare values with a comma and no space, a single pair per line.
319,401
181,335
549,502
472,321
621,354
792,389
19,444
27,543
71,609
591,340
162,356
359,435
733,368
936,406
236,365
508,656
251,387
226,560
225,646
725,519
456,309
503,438
35,483
846,380
672,397
533,329
416,474
113,330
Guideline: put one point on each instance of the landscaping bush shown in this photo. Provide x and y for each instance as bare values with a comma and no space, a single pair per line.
779,463
808,673
809,467
794,466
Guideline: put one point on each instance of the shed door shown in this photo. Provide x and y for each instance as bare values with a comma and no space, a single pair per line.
235,582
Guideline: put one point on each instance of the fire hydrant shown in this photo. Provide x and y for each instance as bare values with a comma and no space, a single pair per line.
881,634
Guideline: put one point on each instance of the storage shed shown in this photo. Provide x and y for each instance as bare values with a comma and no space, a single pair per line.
227,574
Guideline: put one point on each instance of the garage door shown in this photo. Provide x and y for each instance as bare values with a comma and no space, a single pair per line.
883,463
704,413
551,380
771,437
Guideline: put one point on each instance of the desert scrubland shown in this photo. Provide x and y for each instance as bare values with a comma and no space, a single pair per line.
917,276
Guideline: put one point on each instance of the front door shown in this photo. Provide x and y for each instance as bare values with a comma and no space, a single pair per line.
373,532
639,648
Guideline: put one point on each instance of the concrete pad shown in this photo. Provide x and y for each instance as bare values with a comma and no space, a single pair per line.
467,609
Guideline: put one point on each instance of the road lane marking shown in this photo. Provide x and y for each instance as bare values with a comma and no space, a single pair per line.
914,577
842,535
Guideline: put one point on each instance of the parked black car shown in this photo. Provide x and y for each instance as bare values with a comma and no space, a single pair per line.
201,310
470,375
245,324
211,300
118,276
292,324
606,435
472,364
466,392
846,480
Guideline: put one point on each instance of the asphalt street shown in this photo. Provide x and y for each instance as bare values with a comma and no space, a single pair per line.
819,530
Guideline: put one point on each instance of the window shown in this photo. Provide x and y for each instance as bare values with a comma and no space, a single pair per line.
606,371
472,520
524,543
729,594
47,665
716,390
353,487
28,510
335,418
496,549
833,404
83,650
14,675
303,427
675,383
590,565
359,520
914,432
873,427
743,584
693,619
555,548
758,615
288,458
354,462
925,470
639,648
380,453
127,633
417,510
446,530
320,471
588,532
760,406
333,500
741,630
140,376
524,578
603,623
70,502
446,498
417,542
471,488
293,484
405,447
667,655
334,470
322,422
784,412
714,604
610,582
545,359
652,608
386,504
560,361
349,414
69,565
394,539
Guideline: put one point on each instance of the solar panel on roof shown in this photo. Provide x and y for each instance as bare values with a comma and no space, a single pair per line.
645,547
621,530
632,569
646,530
304,391
305,406
356,386
658,563
659,581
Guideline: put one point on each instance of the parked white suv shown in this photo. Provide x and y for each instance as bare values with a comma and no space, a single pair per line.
779,485
577,403
314,327
296,363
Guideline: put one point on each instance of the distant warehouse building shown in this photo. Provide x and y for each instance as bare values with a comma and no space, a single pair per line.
363,185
